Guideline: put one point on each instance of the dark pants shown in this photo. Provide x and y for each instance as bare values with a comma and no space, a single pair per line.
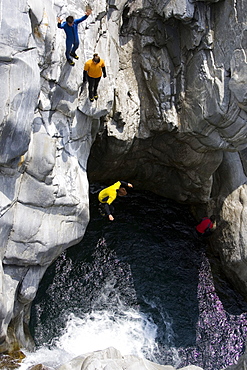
70,49
106,209
93,86
207,233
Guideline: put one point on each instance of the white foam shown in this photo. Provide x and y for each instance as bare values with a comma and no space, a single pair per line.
129,331
47,356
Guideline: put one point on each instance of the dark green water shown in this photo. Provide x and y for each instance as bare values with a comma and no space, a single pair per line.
143,284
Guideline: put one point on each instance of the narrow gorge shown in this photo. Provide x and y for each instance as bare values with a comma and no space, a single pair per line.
170,118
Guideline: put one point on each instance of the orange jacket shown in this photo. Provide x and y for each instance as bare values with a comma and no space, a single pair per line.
94,70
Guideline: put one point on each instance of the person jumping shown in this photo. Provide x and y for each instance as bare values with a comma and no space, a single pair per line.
70,27
109,194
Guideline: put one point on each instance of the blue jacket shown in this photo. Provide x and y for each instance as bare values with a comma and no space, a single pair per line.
72,31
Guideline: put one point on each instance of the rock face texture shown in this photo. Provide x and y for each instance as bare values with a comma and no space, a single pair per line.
112,359
178,122
170,118
45,142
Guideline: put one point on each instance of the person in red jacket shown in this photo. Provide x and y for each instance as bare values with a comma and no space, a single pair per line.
206,226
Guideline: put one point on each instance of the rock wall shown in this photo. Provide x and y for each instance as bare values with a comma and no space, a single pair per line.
45,142
171,118
178,123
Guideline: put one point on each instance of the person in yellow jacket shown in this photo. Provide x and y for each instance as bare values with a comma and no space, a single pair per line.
92,73
108,195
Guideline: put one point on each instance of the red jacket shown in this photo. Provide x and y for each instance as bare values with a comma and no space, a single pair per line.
204,225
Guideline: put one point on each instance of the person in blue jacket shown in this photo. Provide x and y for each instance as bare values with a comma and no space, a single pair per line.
70,27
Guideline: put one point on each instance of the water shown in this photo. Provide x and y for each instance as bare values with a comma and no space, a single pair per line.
141,284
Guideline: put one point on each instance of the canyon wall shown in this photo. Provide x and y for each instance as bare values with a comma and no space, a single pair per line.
170,118
178,122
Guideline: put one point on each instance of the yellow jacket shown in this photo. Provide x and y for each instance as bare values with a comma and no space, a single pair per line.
94,70
108,195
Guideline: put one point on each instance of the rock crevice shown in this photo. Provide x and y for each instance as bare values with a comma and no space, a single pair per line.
171,118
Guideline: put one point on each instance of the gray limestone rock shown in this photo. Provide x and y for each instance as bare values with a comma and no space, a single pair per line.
44,188
111,359
171,118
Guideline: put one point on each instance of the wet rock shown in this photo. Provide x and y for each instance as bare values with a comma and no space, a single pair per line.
171,118
112,359
41,367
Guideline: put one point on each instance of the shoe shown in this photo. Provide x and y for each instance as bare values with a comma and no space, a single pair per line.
74,56
91,99
70,61
95,97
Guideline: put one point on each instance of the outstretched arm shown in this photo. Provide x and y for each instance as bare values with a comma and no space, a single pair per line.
59,21
124,183
88,12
